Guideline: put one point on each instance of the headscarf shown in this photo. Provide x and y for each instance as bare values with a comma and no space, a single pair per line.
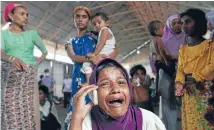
172,40
131,120
8,8
210,18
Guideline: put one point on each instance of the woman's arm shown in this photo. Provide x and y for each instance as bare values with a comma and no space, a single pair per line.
73,56
81,109
180,76
41,58
39,43
208,71
16,62
4,57
180,72
75,124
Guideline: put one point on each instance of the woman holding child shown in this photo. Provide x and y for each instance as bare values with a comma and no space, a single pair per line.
78,48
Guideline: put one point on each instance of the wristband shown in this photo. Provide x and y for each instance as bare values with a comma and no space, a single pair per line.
9,59
13,59
87,57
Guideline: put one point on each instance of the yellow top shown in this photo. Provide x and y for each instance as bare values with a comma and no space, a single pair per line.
197,60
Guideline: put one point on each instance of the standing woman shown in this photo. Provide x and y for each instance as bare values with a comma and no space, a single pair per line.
78,48
172,39
20,101
172,36
195,74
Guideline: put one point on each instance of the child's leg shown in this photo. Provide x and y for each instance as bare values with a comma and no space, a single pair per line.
87,75
87,70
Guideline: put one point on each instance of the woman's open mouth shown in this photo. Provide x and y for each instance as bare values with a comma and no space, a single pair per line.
116,102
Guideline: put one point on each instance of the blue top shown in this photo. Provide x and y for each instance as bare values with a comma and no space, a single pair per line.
48,81
82,46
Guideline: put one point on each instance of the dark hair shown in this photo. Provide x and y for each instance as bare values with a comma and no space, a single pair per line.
106,64
44,89
103,15
13,11
153,26
41,76
46,70
200,20
135,68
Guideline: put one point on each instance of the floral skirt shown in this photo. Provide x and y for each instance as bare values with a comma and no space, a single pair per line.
19,99
198,106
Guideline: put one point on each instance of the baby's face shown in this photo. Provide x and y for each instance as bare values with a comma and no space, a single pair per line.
99,23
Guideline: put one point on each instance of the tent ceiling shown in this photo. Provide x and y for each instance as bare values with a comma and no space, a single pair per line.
53,20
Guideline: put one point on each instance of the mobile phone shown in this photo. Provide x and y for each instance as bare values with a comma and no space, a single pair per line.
93,96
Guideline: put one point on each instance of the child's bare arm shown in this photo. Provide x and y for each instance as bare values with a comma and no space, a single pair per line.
163,51
158,56
103,39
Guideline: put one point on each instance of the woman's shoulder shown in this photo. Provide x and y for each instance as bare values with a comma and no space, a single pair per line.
47,104
151,121
209,42
148,113
86,124
203,46
33,32
92,34
4,33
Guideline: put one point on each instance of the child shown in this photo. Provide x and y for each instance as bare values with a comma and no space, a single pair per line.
160,54
158,50
106,41
48,120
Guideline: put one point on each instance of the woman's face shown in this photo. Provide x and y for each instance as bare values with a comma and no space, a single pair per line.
188,25
176,26
20,16
41,96
113,92
81,19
